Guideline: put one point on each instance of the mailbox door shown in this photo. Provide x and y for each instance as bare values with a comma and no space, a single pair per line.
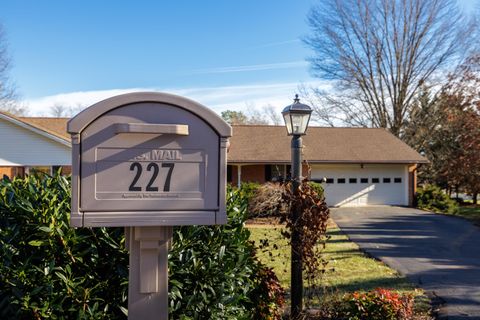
141,157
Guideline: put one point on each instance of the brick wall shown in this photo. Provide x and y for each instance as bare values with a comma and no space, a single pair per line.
12,172
20,171
250,173
412,184
6,171
256,173
66,170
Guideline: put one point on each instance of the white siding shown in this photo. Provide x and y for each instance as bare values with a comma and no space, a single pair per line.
359,194
20,146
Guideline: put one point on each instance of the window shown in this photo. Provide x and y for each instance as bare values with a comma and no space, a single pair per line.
274,172
341,180
330,180
352,180
397,180
386,180
375,180
364,180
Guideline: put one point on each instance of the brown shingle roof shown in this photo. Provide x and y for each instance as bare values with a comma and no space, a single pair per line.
50,126
55,126
270,144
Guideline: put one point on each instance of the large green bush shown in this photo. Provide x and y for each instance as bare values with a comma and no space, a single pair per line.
52,271
248,189
432,198
217,275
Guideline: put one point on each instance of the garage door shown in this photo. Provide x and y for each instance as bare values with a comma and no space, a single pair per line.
356,185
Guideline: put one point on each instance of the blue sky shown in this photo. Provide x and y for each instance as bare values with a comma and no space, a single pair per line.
224,54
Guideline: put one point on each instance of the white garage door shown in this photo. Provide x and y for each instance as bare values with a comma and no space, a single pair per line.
352,185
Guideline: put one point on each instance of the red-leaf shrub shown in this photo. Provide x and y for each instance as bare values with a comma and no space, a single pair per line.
379,304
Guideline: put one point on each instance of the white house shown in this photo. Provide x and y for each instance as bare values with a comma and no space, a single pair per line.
32,144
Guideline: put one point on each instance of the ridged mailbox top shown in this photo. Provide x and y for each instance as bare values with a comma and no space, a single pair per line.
84,118
148,159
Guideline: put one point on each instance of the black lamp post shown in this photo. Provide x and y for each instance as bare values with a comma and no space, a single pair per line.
296,116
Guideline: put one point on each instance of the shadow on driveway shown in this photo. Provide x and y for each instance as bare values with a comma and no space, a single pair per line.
439,253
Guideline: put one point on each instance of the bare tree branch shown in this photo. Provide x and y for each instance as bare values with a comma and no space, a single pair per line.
380,52
8,96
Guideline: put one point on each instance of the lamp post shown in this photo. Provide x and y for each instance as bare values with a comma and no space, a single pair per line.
296,116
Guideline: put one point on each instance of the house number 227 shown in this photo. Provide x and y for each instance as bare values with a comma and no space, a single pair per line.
137,167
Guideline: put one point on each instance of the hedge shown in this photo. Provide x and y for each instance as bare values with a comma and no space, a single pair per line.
52,271
431,197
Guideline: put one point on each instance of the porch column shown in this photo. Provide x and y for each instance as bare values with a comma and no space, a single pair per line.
239,175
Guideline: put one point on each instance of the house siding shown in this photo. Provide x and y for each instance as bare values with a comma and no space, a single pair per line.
22,147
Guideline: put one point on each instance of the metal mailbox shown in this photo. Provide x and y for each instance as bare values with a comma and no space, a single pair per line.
148,159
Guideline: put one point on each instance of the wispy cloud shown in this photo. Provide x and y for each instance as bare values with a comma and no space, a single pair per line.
72,100
255,67
239,98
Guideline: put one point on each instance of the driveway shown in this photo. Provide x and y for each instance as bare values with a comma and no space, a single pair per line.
439,253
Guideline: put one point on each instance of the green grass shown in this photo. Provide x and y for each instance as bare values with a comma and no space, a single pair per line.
276,254
348,269
470,212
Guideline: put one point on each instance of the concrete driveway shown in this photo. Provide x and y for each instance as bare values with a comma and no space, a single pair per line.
439,253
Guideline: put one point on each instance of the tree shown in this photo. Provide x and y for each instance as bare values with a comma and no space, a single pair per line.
7,90
463,120
59,110
272,115
379,54
253,116
446,128
234,117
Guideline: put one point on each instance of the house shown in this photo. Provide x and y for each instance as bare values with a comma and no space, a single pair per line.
28,144
358,166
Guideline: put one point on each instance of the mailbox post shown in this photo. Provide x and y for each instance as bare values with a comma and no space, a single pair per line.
147,162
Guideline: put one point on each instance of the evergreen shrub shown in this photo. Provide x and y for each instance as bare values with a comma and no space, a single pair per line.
217,275
52,271
248,189
432,198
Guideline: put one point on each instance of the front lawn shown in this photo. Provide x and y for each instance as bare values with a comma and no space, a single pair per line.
467,211
348,269
470,212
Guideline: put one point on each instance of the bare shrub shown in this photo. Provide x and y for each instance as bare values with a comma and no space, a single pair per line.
268,201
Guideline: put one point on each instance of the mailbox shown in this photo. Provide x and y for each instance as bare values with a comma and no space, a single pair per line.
148,159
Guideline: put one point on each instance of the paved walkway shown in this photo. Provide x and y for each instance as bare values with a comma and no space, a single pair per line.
439,253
